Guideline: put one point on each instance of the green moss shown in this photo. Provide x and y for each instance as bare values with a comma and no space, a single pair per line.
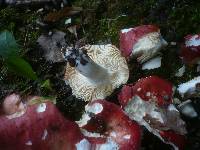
21,23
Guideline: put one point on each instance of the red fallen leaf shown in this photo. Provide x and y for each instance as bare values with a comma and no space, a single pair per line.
149,102
190,50
109,121
148,88
65,12
143,41
38,127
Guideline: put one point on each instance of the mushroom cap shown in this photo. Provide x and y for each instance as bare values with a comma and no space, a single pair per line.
12,104
128,37
190,50
41,127
109,121
143,41
149,102
152,88
178,141
189,87
107,56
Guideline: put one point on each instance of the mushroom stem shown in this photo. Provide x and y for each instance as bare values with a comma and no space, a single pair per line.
79,59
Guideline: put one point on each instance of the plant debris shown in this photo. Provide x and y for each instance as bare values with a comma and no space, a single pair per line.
51,44
65,12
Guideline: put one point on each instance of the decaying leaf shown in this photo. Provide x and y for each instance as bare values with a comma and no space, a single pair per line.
65,12
52,44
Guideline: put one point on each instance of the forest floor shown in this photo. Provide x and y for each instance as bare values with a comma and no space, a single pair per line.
97,22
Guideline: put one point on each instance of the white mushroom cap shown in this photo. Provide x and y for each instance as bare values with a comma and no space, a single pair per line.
188,86
109,58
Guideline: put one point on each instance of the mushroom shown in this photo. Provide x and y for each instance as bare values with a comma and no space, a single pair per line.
94,71
40,127
176,140
143,42
13,105
190,88
190,92
190,50
189,109
103,119
149,102
152,63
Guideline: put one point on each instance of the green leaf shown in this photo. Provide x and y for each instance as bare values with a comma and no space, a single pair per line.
20,67
46,84
8,45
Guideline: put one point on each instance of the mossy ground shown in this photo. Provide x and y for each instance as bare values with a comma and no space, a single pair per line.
175,18
101,21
